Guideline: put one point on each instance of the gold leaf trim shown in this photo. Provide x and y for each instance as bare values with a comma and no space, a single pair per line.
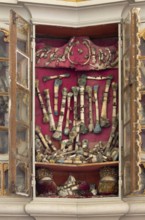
6,33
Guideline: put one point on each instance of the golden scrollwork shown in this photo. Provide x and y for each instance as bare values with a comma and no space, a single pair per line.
42,173
141,34
6,34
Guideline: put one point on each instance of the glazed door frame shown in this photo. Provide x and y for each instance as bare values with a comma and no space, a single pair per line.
20,109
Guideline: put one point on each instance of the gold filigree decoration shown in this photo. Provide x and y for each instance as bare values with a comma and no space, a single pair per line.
141,34
138,102
6,33
43,173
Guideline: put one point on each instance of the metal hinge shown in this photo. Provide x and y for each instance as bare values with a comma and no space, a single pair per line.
32,49
12,187
33,181
32,43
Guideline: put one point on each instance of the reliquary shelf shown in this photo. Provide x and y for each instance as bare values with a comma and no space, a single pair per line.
76,117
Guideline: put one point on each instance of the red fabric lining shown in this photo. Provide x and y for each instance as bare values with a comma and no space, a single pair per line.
68,83
72,81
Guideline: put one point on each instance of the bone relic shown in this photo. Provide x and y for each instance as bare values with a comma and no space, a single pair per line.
66,145
82,83
104,121
74,134
67,129
91,125
99,77
114,113
77,141
58,133
46,78
42,138
44,111
85,143
57,84
49,142
51,119
97,128
112,136
75,91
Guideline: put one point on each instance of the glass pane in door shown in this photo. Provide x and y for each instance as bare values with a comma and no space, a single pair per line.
3,142
4,120
22,142
22,107
22,70
4,76
23,35
20,159
4,49
21,178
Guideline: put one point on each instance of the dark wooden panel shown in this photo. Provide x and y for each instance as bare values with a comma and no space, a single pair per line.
76,168
107,30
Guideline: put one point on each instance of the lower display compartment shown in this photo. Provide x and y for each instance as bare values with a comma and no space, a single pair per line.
77,181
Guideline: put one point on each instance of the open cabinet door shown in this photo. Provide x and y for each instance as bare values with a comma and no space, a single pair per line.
20,111
130,104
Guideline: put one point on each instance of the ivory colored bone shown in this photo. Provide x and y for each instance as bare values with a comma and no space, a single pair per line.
66,145
99,77
49,141
66,129
68,153
97,128
74,134
104,121
85,143
57,84
114,113
46,78
51,118
58,133
114,153
75,91
77,141
42,138
112,136
91,125
113,146
44,111
82,83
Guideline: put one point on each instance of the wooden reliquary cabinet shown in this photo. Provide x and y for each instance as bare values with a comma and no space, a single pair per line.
72,120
